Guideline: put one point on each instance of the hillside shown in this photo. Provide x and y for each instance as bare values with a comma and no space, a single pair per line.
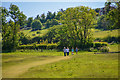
96,33
102,34
33,34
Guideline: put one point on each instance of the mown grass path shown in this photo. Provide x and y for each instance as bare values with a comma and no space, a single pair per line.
15,70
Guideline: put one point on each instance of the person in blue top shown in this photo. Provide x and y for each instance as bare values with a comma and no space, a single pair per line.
72,51
64,51
76,50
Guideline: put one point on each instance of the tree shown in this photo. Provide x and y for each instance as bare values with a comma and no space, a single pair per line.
37,17
29,21
10,29
75,28
58,15
79,20
49,15
36,25
107,7
4,14
43,18
16,15
10,41
50,23
111,19
24,39
114,17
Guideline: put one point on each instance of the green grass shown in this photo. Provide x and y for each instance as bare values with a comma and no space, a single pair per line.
102,34
9,59
114,48
33,34
82,65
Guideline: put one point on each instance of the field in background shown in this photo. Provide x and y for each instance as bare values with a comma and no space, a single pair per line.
96,33
33,34
102,34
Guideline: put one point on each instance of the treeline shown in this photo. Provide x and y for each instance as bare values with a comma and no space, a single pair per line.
11,36
47,21
110,18
67,28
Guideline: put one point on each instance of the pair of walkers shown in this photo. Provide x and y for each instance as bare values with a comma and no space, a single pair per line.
67,51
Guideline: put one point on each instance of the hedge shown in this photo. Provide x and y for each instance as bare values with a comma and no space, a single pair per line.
100,44
38,46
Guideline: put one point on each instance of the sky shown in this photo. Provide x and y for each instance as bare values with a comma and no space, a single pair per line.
32,9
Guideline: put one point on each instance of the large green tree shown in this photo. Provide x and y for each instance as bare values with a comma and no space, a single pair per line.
17,15
75,28
111,20
36,25
10,38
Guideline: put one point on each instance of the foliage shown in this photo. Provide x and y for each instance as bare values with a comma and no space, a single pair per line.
74,31
38,46
37,39
4,15
104,49
50,23
10,38
36,25
111,19
100,44
29,22
110,39
43,18
24,39
16,15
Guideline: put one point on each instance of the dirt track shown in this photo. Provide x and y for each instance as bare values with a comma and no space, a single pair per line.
15,70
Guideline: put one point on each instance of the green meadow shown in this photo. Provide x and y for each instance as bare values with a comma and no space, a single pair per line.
96,33
32,47
52,64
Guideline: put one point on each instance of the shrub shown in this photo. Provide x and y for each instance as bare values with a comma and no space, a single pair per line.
110,39
51,46
38,46
38,32
104,49
36,25
100,44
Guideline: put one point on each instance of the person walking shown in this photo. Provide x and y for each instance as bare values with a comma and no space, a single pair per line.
64,51
67,51
76,50
72,51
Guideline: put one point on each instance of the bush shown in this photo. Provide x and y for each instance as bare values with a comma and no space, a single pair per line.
38,32
51,46
36,25
104,49
100,44
110,39
38,46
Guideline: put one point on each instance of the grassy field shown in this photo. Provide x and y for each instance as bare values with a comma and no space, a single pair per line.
36,64
82,65
33,34
10,59
96,33
102,34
